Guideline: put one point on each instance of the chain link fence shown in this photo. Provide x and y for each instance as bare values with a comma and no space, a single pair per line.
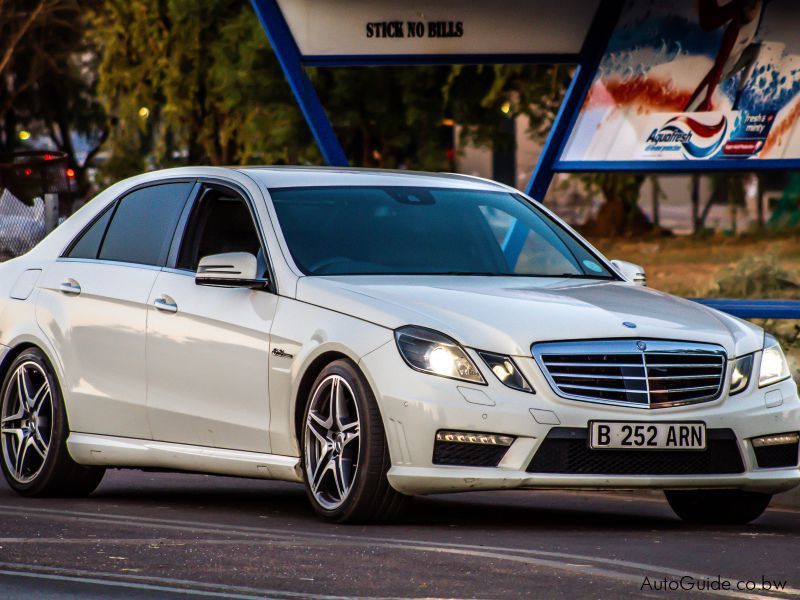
21,226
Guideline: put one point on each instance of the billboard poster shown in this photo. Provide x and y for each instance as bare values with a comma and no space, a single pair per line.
695,80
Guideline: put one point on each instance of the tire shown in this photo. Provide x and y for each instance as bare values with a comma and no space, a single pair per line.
718,507
34,455
351,448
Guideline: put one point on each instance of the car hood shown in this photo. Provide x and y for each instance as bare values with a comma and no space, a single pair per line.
508,314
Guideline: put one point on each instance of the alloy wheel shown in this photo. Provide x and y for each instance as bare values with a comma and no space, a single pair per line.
26,423
332,441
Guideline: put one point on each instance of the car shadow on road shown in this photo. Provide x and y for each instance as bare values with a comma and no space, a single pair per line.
251,502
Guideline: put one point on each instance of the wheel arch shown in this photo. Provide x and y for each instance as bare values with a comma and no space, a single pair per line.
310,374
18,347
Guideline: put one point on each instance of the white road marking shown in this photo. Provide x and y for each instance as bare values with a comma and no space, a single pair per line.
548,559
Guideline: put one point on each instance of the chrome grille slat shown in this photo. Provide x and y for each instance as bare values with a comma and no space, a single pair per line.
641,373
589,375
671,378
603,365
689,389
677,366
602,389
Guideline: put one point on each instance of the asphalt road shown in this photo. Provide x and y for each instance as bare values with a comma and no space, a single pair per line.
153,535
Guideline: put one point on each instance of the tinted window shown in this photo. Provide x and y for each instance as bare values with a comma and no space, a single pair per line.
220,223
144,223
414,230
88,245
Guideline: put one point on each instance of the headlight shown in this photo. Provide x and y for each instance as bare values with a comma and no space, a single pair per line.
432,352
740,376
774,367
506,371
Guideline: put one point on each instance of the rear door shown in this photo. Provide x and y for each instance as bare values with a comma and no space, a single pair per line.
93,308
207,347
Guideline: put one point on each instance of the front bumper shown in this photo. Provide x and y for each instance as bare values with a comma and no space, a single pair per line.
415,406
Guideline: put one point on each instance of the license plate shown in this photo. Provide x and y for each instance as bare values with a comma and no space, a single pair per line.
647,436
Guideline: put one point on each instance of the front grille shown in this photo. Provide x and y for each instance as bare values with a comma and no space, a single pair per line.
467,455
566,450
643,373
782,455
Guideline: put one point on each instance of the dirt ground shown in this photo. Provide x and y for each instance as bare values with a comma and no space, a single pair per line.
687,266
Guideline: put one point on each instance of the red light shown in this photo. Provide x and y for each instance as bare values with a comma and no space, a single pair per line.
49,157
28,172
70,173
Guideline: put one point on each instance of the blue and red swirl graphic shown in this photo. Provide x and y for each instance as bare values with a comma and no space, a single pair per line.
703,139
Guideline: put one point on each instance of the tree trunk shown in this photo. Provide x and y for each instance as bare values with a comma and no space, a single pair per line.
620,214
695,204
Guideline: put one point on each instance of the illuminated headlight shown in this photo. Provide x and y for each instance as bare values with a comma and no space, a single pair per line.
433,352
740,374
774,367
506,371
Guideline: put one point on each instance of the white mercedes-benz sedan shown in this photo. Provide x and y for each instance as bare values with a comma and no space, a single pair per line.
375,335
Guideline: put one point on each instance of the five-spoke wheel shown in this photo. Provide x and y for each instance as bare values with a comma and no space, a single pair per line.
34,432
332,441
345,455
26,424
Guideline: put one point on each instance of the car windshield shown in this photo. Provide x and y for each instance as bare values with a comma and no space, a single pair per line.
389,230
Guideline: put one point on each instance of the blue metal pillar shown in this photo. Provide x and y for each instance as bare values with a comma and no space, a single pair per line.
594,47
280,36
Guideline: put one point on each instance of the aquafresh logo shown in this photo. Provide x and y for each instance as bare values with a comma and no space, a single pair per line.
698,140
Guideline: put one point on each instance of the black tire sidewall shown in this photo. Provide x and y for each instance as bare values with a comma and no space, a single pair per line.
58,447
372,441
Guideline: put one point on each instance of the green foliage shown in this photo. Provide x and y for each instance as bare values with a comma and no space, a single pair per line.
214,93
756,277
476,95
193,82
387,117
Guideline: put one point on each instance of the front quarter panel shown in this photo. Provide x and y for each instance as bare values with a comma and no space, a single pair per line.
301,334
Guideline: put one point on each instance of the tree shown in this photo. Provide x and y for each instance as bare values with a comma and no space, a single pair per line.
389,116
193,82
187,82
46,80
483,97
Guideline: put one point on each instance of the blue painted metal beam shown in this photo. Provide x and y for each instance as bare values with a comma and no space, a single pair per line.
592,51
678,166
416,60
754,309
283,43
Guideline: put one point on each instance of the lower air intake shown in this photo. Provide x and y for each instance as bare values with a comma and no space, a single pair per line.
467,455
566,450
772,457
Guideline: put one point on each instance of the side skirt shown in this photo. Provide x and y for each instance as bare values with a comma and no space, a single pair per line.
109,451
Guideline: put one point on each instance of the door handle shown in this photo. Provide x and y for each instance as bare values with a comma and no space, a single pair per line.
165,304
70,287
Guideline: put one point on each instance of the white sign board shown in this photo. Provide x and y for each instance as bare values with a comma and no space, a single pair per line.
438,27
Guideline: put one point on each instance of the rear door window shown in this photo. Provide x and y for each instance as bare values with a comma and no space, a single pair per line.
88,244
142,227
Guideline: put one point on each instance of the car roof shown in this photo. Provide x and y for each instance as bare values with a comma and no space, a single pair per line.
286,176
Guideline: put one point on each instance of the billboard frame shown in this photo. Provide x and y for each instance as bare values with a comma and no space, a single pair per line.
586,61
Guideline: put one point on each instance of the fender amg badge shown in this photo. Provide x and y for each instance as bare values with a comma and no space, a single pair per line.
279,352
629,325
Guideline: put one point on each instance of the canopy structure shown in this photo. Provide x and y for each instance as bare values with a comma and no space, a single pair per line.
684,86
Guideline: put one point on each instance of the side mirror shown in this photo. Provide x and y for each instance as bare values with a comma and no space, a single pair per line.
630,272
233,270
